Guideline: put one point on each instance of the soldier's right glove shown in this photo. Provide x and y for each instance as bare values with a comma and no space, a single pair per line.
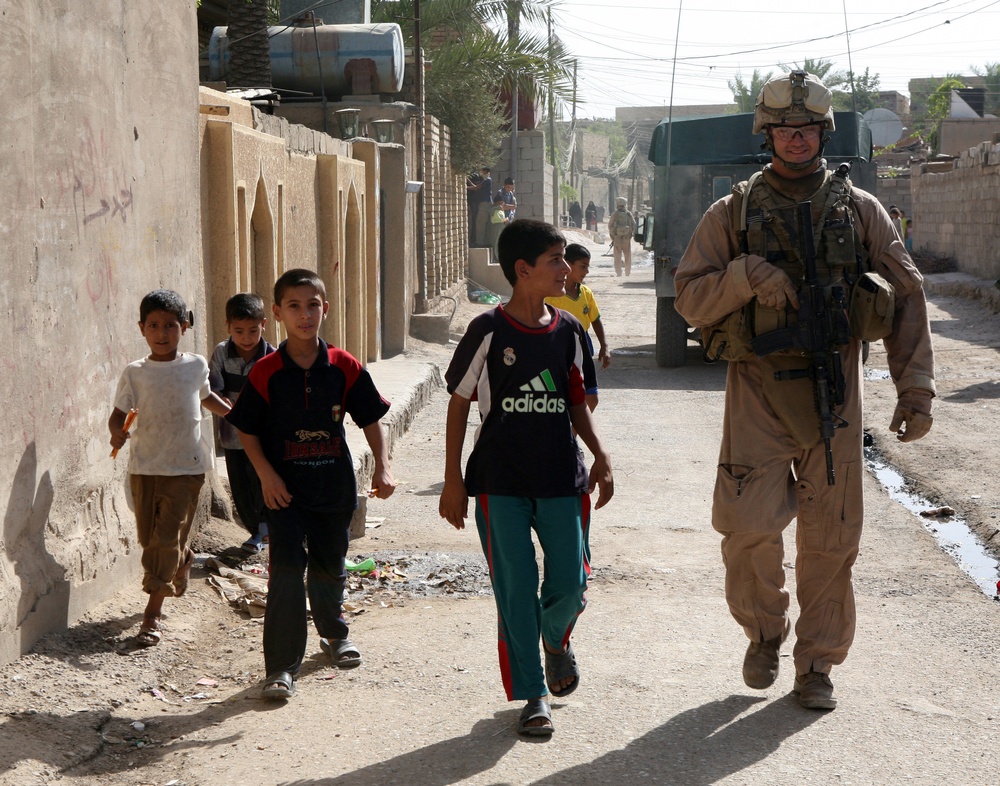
772,286
914,409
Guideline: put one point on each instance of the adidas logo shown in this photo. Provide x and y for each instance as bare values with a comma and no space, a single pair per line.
531,401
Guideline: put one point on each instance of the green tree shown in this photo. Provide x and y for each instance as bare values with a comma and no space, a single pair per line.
745,95
472,59
866,90
938,108
991,78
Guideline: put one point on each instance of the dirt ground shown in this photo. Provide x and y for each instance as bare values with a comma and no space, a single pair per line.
71,705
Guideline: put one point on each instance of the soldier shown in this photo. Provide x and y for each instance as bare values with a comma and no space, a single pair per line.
621,227
742,271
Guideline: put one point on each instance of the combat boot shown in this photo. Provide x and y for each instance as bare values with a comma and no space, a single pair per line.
760,664
815,691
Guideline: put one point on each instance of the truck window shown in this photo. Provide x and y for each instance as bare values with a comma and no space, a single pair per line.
721,186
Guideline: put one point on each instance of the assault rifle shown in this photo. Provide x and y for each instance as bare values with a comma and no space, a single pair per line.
822,327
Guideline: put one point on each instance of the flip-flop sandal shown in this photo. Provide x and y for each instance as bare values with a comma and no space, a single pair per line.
345,655
533,710
149,635
252,546
559,666
183,575
278,686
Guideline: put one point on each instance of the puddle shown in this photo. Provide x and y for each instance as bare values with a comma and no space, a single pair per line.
952,533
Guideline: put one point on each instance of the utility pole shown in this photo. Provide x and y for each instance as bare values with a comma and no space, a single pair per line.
420,305
572,136
552,136
513,18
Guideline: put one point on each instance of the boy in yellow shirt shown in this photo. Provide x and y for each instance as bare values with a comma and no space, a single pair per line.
579,301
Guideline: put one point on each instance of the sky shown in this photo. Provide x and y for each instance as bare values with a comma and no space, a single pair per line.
625,49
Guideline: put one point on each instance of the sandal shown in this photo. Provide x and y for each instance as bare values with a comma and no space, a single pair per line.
183,575
149,634
533,710
278,686
253,545
559,666
345,655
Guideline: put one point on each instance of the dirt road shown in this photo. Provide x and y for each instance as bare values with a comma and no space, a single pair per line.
661,699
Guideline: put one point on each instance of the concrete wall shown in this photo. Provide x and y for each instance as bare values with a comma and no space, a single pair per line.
445,247
959,135
97,209
278,196
956,209
896,191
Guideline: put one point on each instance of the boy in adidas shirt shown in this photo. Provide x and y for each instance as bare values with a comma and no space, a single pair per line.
528,366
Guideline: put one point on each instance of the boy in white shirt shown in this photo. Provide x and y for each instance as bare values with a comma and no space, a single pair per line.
167,459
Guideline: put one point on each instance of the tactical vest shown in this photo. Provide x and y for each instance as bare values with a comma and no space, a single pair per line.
860,302
767,228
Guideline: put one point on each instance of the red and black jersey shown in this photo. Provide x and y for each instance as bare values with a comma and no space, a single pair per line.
525,380
298,415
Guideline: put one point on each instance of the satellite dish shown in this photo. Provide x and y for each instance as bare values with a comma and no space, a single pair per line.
887,128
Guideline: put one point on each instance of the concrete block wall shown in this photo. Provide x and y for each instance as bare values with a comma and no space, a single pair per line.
896,191
956,209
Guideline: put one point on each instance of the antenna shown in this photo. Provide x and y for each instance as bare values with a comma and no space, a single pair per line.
850,66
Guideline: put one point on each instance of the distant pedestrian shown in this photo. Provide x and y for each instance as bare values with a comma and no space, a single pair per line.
576,215
621,227
509,200
591,215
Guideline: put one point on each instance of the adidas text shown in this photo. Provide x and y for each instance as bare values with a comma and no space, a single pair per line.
530,403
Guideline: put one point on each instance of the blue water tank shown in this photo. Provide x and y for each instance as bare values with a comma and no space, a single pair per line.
338,59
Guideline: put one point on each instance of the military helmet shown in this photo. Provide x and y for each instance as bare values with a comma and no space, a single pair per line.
796,98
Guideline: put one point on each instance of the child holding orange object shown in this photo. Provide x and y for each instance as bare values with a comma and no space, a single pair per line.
167,459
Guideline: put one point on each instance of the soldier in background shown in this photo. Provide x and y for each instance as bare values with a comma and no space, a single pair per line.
741,268
621,227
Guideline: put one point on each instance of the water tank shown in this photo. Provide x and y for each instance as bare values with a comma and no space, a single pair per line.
338,59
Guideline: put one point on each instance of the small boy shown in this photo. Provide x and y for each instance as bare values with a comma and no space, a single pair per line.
579,301
291,421
526,362
498,220
167,460
227,373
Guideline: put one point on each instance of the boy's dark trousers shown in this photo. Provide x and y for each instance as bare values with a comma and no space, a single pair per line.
245,488
299,540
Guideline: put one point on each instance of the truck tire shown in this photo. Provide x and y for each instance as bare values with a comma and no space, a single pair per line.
671,334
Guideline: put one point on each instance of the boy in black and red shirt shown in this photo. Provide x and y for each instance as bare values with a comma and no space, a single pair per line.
291,421
527,365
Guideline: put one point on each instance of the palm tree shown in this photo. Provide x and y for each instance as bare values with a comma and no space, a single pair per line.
249,45
745,95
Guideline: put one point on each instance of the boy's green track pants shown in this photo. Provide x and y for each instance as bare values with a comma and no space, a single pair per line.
562,527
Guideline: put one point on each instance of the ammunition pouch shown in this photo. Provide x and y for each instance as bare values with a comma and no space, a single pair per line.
872,307
731,338
728,339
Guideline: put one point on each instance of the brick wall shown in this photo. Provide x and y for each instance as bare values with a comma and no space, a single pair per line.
956,209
